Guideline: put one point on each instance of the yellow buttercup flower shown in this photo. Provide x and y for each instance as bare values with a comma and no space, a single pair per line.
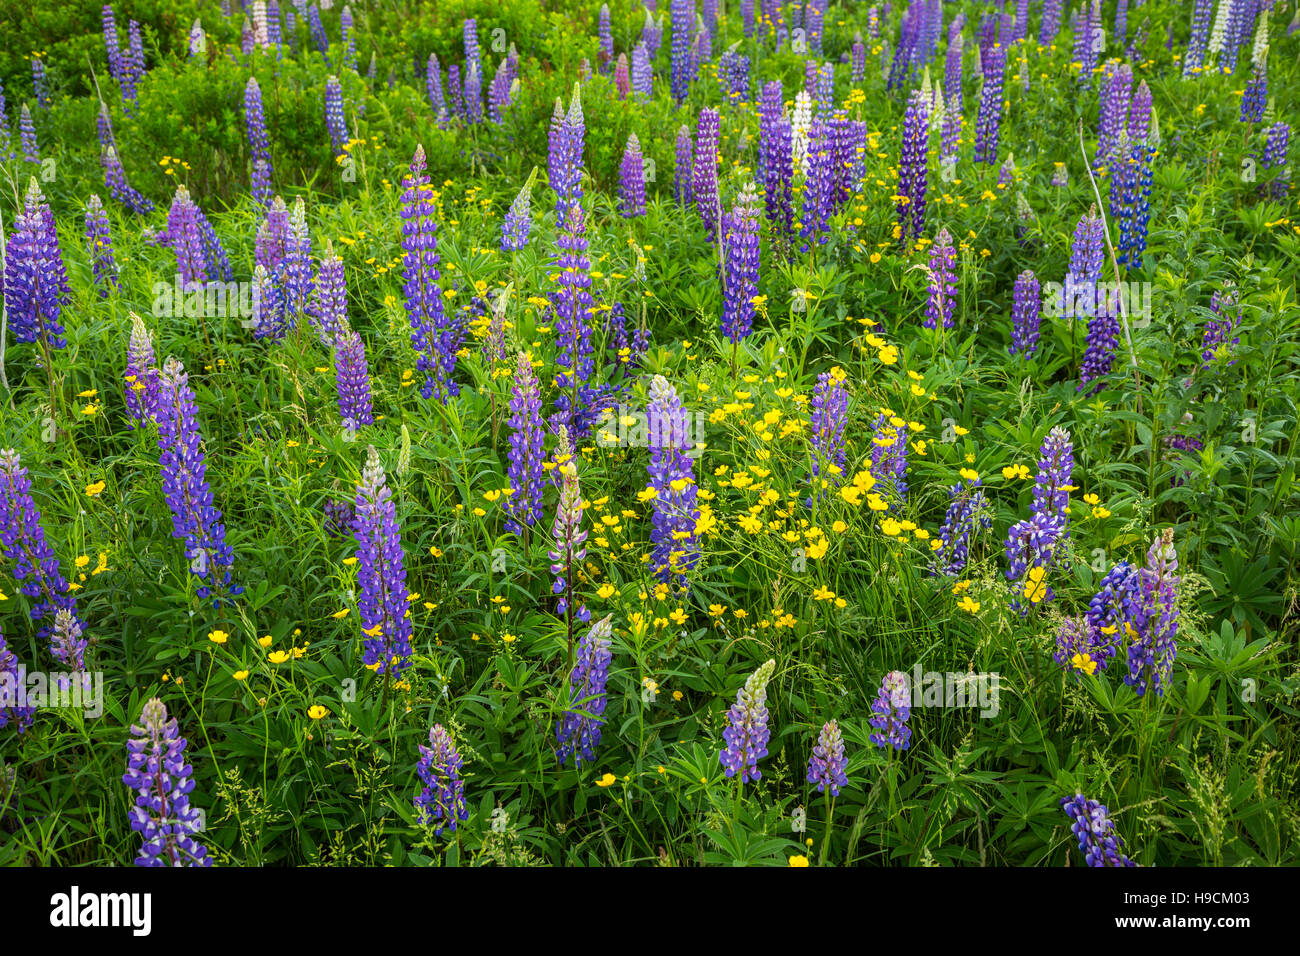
1036,584
608,780
218,637
316,711
1085,663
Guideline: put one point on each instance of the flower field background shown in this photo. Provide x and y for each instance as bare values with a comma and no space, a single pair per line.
547,433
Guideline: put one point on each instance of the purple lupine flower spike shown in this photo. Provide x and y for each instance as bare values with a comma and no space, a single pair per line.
349,39
1085,265
195,520
1036,545
1118,602
104,127
1152,652
572,306
339,517
259,144
12,674
858,66
1073,650
968,510
269,318
622,76
684,170
642,77
704,171
286,298
35,279
442,800
157,771
741,258
579,729
682,13
988,123
519,220
40,83
99,245
272,242
6,146
1081,295
632,180
891,710
1276,143
1255,98
1139,114
777,151
27,136
830,406
329,301
455,91
433,85
473,73
352,381
1199,42
1086,40
1026,310
889,455
186,238
217,263
382,603
747,733
141,379
133,67
317,30
1095,831
119,189
524,503
569,550
942,295
1050,24
828,763
334,120
1115,101
952,94
912,167
1226,317
566,143
111,45
33,562
605,56
435,336
198,39
1131,199
819,185
672,476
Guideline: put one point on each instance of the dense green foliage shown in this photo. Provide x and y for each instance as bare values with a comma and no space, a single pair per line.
1205,774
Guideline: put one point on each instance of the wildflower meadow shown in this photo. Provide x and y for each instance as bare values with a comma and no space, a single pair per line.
698,432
